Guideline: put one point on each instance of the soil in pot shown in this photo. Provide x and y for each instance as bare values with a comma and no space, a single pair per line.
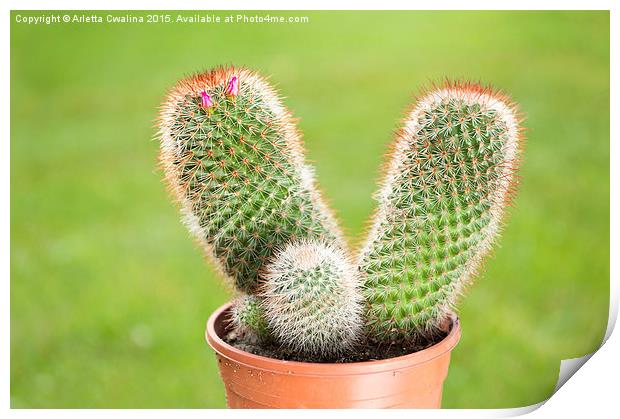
367,350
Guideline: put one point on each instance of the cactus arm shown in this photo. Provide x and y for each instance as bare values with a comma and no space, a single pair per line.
233,160
449,178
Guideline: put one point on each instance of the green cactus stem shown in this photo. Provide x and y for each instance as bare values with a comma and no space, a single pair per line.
233,159
440,207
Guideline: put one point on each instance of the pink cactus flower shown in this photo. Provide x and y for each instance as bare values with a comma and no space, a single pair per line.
207,102
233,86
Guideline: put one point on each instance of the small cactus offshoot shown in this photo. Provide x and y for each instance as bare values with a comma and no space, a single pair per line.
248,318
312,299
233,159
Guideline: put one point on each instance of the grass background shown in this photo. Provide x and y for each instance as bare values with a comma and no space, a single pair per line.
109,296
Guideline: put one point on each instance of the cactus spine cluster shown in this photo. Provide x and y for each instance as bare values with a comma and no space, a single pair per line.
312,300
440,207
233,160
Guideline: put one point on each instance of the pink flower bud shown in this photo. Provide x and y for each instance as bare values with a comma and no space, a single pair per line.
206,100
233,86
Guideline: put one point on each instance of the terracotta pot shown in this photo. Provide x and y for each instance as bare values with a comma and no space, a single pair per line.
252,381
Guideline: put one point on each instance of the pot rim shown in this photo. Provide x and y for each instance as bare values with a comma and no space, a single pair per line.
319,368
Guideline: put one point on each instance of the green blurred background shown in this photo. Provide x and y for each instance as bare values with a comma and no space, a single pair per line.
109,295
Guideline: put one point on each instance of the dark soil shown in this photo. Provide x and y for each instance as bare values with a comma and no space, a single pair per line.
368,350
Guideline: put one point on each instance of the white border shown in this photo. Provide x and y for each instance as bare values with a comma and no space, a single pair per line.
593,391
312,5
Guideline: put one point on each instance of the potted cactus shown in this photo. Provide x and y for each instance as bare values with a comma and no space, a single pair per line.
314,325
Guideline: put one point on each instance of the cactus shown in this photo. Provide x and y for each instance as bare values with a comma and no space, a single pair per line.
247,317
440,207
312,300
233,160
